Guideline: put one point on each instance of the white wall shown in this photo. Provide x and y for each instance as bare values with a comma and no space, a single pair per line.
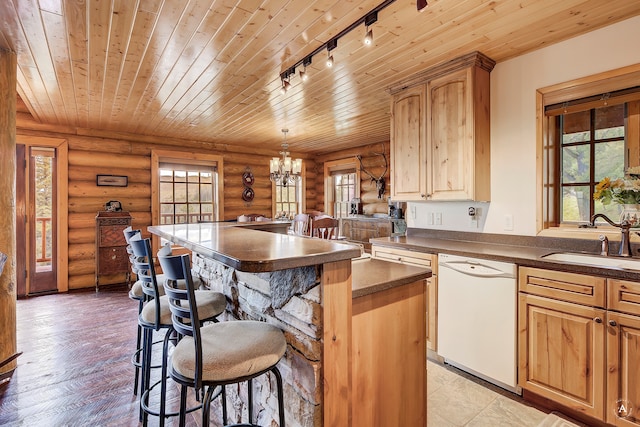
513,134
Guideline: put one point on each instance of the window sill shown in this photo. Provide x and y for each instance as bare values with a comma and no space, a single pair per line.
573,232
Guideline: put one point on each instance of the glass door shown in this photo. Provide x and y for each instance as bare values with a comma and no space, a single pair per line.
36,219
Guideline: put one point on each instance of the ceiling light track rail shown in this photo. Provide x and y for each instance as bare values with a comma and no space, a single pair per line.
370,18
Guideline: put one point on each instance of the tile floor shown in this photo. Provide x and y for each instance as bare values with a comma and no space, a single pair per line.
454,398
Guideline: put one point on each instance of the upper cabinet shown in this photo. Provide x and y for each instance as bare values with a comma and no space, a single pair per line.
440,132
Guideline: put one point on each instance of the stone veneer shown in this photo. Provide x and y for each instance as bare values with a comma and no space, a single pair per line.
291,300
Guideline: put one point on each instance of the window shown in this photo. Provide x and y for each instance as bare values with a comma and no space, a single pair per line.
186,193
344,187
287,199
342,184
592,146
588,129
185,188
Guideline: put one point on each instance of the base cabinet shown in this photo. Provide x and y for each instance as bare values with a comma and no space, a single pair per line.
579,343
562,352
421,260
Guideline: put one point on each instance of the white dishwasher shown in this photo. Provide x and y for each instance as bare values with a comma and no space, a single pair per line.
477,305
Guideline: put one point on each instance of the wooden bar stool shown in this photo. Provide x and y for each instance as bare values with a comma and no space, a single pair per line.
217,354
155,316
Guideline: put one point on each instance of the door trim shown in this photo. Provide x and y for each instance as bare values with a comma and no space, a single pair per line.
62,183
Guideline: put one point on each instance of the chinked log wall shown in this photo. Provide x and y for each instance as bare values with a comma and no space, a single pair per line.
93,152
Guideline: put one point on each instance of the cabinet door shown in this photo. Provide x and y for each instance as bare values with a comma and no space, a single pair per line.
421,260
450,137
623,370
408,150
561,352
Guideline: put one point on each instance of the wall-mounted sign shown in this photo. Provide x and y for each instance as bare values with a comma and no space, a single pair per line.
112,180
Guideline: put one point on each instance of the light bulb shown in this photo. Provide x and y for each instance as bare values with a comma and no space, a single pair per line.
330,61
368,39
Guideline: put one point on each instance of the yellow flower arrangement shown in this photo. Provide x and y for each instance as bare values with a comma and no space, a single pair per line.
624,191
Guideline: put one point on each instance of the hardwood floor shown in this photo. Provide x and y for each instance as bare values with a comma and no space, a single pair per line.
75,369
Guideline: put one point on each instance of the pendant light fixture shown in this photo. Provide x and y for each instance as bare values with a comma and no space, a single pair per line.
285,171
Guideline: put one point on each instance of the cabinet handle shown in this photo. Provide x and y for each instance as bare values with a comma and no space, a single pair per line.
597,320
424,196
613,323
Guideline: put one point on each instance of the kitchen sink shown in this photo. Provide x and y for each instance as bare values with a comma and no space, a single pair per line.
594,260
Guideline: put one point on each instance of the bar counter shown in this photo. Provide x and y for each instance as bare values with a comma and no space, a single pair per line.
325,303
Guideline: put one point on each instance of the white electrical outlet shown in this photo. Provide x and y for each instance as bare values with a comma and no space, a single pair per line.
430,218
508,222
438,218
413,212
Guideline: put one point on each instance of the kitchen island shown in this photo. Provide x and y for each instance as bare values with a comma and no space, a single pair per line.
339,316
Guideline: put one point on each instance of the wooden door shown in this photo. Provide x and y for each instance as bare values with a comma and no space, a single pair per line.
408,150
623,370
561,352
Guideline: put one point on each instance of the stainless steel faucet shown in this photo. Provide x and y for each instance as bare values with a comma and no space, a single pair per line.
624,226
604,251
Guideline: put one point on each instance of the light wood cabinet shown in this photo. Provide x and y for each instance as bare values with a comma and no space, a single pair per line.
440,132
623,353
579,343
390,387
421,260
408,147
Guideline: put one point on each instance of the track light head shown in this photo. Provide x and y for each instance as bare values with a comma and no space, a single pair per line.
421,5
303,75
330,61
371,19
368,39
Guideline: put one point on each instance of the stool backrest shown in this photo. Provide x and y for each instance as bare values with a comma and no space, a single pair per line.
184,311
143,265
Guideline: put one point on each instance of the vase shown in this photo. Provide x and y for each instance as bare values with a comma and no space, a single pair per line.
631,213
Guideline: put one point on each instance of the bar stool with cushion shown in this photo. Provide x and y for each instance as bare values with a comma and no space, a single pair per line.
219,353
155,316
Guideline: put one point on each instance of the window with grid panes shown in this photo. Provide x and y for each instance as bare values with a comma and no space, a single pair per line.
344,184
287,199
187,193
592,146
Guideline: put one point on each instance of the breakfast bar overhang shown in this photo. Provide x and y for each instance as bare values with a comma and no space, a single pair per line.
355,327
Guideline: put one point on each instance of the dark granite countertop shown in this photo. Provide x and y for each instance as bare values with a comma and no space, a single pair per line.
370,275
254,251
521,250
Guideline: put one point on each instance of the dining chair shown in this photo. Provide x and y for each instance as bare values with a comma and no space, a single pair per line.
325,228
211,356
300,225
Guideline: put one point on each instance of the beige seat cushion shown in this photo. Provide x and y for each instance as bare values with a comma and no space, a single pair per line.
210,304
232,349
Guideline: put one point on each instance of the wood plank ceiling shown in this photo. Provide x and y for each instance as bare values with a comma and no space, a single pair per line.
209,70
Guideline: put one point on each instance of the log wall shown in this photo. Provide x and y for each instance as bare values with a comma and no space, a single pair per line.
372,163
93,153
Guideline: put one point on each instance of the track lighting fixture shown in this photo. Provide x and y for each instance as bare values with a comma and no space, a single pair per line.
368,39
368,20
331,44
421,5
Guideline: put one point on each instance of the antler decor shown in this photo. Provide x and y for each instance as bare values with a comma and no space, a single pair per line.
380,181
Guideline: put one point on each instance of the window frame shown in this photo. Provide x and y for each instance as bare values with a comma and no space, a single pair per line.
337,166
300,194
187,158
547,134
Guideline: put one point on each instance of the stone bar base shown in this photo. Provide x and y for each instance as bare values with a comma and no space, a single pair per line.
291,300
